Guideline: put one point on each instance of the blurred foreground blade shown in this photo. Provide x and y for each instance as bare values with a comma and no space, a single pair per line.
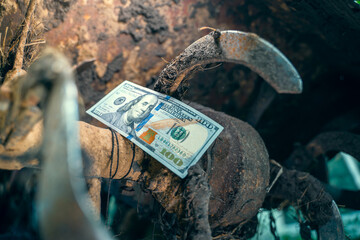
63,203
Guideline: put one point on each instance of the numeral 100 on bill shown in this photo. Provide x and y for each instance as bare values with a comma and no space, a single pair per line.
171,157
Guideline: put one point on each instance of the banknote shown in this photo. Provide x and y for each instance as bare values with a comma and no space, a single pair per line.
170,131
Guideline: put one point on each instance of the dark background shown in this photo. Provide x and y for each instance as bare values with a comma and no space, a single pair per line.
133,40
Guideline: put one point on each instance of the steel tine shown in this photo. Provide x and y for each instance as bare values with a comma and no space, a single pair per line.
232,46
334,228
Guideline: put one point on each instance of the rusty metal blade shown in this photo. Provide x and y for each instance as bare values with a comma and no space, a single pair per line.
263,58
63,203
238,47
333,229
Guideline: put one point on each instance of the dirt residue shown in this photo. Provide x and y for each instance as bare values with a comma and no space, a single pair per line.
113,67
91,85
237,169
201,52
213,11
139,12
302,191
57,11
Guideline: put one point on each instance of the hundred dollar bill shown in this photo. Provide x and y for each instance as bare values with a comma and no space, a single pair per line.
170,131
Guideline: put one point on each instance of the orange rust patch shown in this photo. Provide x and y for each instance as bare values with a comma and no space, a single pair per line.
86,17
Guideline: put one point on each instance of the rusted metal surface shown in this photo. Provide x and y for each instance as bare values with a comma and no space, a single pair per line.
226,208
234,199
333,229
141,32
232,46
75,33
240,153
246,162
305,158
263,100
313,157
335,141
63,209
306,193
123,28
197,193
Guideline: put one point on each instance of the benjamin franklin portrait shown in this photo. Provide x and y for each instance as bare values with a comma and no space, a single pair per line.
132,113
